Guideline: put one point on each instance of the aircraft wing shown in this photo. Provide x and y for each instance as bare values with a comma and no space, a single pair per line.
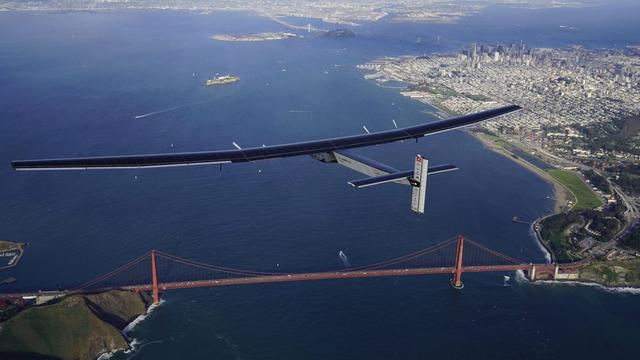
261,153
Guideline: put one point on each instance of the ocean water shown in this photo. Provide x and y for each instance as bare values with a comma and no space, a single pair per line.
72,84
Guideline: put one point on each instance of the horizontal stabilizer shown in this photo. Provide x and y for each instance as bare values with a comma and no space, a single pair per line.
400,175
438,169
362,164
377,180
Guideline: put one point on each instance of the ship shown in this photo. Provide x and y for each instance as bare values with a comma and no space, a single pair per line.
222,80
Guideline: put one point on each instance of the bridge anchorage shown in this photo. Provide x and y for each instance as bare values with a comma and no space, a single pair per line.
157,271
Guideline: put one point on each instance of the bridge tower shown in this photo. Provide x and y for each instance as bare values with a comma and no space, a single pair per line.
457,276
154,278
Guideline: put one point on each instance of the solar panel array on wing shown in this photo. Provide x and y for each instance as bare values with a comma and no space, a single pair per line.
262,153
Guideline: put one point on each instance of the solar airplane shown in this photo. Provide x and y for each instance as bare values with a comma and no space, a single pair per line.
335,150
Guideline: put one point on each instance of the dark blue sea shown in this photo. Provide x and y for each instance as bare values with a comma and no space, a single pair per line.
72,84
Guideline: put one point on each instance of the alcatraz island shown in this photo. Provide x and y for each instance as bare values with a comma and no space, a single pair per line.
579,130
222,80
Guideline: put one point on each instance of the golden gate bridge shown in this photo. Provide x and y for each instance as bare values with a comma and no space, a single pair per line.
157,271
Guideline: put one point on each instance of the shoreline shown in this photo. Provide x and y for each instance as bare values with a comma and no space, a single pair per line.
101,322
133,343
560,193
533,230
612,289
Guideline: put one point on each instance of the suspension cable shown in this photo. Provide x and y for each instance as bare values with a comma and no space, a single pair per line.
493,252
113,272
214,267
408,257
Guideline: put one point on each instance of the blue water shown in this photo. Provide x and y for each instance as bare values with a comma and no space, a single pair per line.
71,84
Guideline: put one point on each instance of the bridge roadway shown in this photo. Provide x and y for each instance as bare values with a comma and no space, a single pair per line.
549,268
327,276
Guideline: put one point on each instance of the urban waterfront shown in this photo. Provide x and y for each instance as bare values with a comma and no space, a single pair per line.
67,92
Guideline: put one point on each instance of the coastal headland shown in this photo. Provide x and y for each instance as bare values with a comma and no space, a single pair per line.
79,326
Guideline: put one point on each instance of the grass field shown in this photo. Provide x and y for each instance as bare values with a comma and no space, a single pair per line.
585,197
6,245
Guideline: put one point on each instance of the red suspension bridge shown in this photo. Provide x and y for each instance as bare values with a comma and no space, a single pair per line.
158,271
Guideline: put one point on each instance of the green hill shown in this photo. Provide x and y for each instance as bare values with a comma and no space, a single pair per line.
74,327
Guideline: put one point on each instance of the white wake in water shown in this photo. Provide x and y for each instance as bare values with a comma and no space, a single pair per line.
141,318
532,231
235,349
135,346
153,113
613,290
520,277
105,356
344,258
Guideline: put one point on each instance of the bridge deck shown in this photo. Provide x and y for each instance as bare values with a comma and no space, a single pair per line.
325,276
315,276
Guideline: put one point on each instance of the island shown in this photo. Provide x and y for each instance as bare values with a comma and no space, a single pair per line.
222,80
265,36
10,254
339,34
579,131
78,326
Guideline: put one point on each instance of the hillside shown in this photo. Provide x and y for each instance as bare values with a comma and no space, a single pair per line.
75,327
612,273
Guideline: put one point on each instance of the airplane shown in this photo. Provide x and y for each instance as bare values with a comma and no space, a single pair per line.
335,150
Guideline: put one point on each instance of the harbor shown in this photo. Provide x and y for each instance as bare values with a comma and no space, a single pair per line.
10,254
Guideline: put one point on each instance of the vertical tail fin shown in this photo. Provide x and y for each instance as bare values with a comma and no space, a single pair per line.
419,183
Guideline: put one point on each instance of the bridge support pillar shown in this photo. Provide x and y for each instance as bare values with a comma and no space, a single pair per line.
457,276
532,273
154,278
